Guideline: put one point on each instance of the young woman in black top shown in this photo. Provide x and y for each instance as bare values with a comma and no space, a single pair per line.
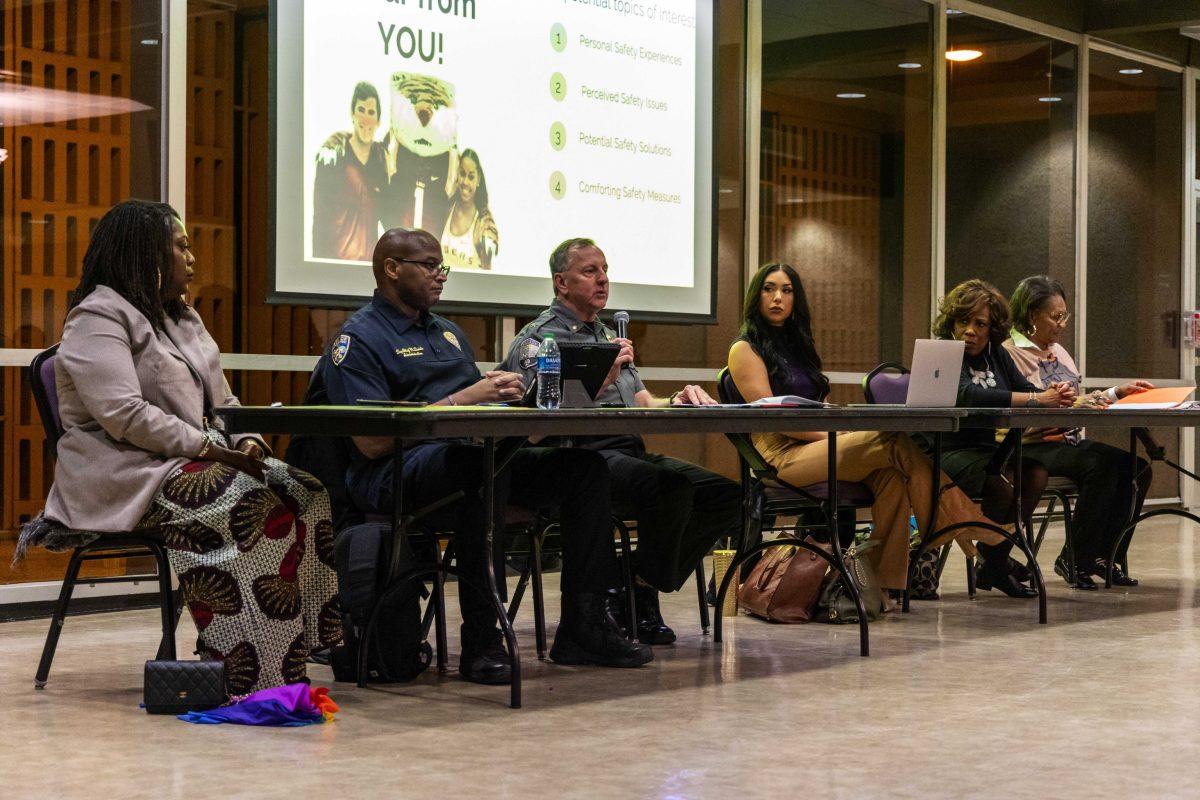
977,314
775,355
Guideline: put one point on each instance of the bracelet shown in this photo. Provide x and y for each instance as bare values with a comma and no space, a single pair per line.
204,450
450,399
671,400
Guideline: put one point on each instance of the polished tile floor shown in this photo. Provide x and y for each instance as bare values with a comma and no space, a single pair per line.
960,699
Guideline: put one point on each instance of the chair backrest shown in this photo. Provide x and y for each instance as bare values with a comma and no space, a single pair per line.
45,393
727,392
887,383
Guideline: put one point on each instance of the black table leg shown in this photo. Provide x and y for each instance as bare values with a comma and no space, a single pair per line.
1024,536
836,545
489,538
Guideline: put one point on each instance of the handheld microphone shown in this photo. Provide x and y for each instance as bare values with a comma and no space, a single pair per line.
621,320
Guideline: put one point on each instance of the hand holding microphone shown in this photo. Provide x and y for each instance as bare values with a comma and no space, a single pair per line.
625,356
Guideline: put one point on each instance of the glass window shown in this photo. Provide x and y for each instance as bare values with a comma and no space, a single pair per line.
1135,239
1010,156
846,149
79,131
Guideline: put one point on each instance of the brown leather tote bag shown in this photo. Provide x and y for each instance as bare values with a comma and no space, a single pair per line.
785,584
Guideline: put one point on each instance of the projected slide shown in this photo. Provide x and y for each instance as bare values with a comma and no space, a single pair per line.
502,127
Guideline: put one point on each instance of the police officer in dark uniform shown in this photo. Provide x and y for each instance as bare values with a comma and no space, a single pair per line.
395,349
681,509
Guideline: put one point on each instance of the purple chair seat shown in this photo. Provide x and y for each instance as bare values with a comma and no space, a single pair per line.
883,386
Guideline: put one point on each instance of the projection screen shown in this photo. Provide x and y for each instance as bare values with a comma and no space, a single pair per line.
503,127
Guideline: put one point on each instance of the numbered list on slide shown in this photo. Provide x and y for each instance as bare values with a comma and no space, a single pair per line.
621,122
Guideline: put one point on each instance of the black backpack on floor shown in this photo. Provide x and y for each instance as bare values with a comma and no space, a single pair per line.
398,651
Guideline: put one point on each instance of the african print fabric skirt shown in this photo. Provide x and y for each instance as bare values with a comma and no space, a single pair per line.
255,563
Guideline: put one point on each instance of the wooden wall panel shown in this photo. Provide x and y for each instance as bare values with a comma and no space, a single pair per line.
59,179
820,199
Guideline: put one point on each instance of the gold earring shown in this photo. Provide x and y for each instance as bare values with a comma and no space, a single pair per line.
1033,329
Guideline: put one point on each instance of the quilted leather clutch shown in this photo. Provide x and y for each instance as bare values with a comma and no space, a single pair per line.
177,687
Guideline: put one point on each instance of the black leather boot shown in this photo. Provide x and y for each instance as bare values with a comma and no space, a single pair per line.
650,626
587,634
484,659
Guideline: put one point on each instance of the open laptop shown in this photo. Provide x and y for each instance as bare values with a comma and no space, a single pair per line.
933,380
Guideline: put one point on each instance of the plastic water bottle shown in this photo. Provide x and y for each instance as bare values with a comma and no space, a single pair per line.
549,374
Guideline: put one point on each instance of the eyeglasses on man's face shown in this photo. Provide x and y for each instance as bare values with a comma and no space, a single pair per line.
431,267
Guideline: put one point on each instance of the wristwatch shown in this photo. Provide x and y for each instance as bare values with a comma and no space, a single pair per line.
1032,401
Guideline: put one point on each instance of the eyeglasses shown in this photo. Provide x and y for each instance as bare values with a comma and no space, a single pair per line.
1061,319
432,269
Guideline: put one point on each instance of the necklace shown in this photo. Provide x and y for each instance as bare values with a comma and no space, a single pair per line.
983,377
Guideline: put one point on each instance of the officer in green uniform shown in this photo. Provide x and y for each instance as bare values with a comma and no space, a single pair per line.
681,509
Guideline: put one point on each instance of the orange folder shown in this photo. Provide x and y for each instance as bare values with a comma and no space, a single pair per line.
1168,397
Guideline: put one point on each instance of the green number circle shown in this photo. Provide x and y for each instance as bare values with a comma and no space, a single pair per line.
558,136
558,37
558,185
558,86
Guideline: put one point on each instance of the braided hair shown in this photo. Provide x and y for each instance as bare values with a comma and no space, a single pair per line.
795,336
131,251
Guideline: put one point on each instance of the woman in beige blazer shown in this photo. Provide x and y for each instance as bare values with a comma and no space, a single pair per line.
138,376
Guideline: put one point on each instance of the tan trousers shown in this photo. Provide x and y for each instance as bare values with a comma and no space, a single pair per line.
901,477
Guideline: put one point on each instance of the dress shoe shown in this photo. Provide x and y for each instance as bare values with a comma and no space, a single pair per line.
650,626
987,579
1019,570
588,634
1078,580
1100,567
485,661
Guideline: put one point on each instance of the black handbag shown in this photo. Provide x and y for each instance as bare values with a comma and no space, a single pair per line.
177,687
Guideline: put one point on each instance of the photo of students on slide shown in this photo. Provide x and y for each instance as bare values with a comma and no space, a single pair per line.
352,175
422,152
470,239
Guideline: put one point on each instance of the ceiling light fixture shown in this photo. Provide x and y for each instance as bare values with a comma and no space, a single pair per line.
150,42
851,95
962,55
909,65
1131,71
954,12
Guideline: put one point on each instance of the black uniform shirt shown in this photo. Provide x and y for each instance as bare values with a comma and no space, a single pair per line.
381,354
568,327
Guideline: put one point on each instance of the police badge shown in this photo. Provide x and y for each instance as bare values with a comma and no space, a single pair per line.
452,339
340,348
529,350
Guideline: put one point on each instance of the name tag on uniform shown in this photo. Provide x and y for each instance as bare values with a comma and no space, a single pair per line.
410,352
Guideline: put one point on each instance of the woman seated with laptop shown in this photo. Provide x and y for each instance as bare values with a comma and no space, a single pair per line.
975,313
775,355
1102,472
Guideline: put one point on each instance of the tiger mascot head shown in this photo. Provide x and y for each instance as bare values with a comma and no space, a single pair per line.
424,117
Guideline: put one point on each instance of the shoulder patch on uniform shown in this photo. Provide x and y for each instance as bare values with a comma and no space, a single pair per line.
340,348
609,335
452,339
529,349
